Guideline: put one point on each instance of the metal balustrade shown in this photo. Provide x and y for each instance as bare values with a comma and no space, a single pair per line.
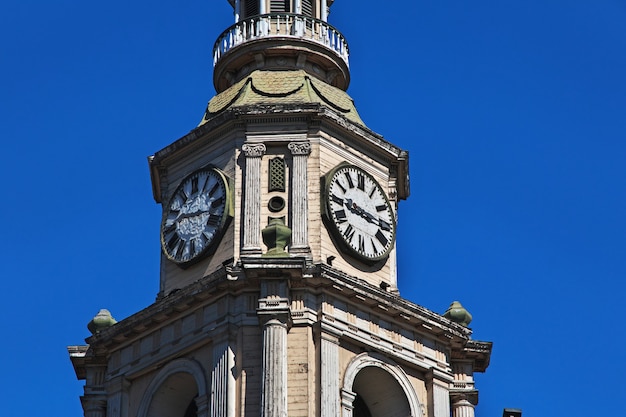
281,25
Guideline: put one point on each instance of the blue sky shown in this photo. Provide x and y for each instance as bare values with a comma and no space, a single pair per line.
514,117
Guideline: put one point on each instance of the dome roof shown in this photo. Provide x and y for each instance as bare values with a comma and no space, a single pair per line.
282,87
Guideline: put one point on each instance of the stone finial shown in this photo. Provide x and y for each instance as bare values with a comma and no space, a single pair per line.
276,237
101,321
458,314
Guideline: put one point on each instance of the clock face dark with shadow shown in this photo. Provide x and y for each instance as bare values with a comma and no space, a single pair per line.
358,213
195,217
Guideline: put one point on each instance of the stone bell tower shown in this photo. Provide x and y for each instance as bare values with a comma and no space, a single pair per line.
278,291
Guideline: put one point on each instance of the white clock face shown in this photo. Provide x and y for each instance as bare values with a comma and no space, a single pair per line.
360,213
194,216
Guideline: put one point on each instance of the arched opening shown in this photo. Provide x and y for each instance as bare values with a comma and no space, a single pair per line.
178,390
192,409
375,386
175,397
360,408
378,394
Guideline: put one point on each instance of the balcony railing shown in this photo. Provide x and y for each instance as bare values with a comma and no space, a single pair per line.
281,25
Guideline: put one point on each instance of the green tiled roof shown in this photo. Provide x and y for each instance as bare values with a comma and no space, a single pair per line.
282,87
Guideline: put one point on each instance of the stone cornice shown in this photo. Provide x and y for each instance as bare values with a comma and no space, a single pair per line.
394,305
236,119
480,352
300,275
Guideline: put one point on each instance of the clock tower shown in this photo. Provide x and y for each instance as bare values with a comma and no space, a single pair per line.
278,291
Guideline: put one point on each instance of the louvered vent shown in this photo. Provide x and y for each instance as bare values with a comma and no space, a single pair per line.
252,8
307,8
279,6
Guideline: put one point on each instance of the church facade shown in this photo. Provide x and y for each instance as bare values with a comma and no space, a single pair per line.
278,289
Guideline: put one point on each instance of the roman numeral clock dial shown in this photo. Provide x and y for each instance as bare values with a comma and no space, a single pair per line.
196,216
358,213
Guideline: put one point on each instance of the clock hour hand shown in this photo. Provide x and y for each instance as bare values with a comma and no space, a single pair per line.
354,208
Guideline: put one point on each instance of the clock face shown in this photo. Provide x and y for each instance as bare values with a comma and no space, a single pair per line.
195,216
360,213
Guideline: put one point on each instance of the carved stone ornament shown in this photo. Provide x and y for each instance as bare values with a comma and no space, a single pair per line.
300,148
253,149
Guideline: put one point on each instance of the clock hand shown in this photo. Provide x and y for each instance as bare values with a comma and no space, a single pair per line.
354,208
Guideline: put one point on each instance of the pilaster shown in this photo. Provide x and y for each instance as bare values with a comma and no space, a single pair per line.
252,198
222,378
437,385
329,375
94,401
299,198
117,402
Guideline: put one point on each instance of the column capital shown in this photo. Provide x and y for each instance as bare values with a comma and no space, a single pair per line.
300,148
465,398
94,405
347,400
252,150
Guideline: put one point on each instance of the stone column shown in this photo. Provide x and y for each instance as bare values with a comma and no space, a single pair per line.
299,198
223,380
329,347
252,198
237,10
438,394
324,11
117,402
274,391
461,407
